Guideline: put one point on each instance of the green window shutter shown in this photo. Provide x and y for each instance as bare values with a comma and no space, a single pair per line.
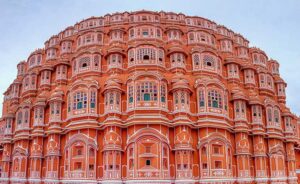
215,104
130,99
79,105
146,97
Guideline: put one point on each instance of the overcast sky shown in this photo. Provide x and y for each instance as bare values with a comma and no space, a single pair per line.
272,25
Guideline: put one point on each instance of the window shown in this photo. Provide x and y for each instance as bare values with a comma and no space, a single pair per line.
203,150
177,60
218,165
204,165
130,94
214,99
148,162
91,167
145,33
217,149
276,117
79,100
84,62
146,54
201,98
146,97
89,38
201,37
163,93
93,99
115,60
78,166
19,118
26,116
249,76
256,113
269,115
79,151
91,152
148,149
196,61
147,91
208,61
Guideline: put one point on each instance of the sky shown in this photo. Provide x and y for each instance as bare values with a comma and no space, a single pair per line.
271,25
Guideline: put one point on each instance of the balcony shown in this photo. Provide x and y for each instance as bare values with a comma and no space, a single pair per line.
52,174
19,175
79,174
277,174
35,174
181,174
112,174
216,173
4,175
244,174
261,173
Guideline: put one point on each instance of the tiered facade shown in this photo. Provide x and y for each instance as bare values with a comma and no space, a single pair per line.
150,97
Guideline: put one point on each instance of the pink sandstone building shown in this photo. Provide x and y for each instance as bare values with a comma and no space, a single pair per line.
148,97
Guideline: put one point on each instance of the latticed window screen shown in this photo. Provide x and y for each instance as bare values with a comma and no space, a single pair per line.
130,94
176,97
201,98
143,53
19,117
182,97
269,114
177,57
146,91
93,99
276,116
269,81
191,37
96,61
163,93
209,60
111,98
131,56
160,55
214,99
196,60
84,62
79,100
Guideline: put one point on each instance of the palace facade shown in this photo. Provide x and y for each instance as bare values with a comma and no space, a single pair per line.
148,97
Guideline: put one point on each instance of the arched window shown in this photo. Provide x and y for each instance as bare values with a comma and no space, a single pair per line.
203,150
269,114
196,61
19,117
276,116
26,116
163,93
191,37
130,94
201,98
93,99
214,99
